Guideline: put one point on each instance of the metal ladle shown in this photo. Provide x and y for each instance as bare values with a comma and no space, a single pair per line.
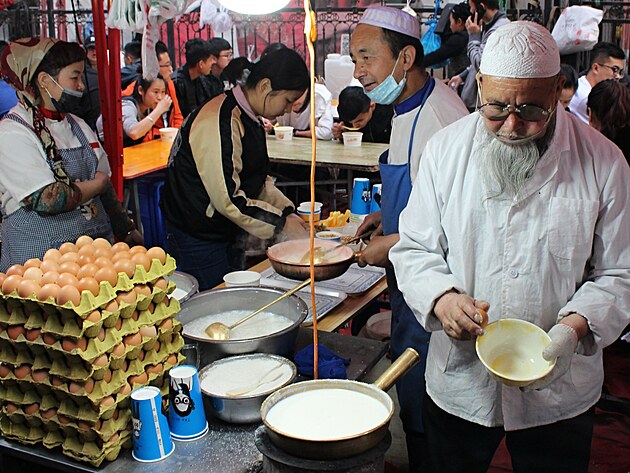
220,331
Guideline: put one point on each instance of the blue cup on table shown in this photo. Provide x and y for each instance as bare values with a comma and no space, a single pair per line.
360,196
186,416
375,204
151,436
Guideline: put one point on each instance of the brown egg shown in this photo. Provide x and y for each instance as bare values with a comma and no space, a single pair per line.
87,250
172,359
101,334
141,259
94,316
133,339
125,265
34,274
111,306
161,283
69,267
49,339
49,414
128,297
82,425
141,355
87,271
108,274
48,290
68,344
2,278
118,324
89,385
28,288
156,347
101,360
14,331
119,350
142,378
107,402
63,420
124,365
155,369
17,269
68,247
157,253
143,289
135,315
75,388
120,246
151,307
56,381
137,249
4,370
148,331
49,265
121,255
114,438
101,243
108,375
11,408
33,334
166,325
39,376
31,409
32,263
84,240
69,257
69,294
89,284
52,255
67,279
22,371
82,260
49,278
103,262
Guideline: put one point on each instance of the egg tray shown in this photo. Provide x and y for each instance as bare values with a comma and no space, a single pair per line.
107,340
93,452
106,294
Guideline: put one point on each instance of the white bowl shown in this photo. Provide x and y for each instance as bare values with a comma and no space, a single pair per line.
242,278
328,235
284,133
511,350
168,134
352,138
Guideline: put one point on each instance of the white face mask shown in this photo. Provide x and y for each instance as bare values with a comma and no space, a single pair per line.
389,90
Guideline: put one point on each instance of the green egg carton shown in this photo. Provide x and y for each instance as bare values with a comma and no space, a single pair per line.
20,431
16,317
109,319
53,439
78,372
34,320
92,452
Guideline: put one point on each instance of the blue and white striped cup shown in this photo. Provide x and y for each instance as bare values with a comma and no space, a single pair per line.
151,435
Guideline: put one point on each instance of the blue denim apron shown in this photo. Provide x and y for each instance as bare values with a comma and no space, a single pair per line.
26,234
406,330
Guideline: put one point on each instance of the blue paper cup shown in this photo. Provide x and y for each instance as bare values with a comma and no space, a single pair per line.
186,416
375,205
151,435
360,196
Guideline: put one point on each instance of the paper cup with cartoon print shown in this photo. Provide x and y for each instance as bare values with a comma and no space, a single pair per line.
151,435
186,416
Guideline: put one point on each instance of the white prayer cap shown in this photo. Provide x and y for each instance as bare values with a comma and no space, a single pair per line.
391,19
520,50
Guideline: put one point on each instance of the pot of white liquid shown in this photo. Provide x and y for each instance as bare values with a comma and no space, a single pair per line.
327,419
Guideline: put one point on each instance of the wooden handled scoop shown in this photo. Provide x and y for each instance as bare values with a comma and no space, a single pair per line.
220,331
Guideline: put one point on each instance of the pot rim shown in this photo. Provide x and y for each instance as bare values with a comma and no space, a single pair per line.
327,244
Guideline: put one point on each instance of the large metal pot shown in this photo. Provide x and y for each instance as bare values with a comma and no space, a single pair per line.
245,408
186,286
216,301
285,258
341,447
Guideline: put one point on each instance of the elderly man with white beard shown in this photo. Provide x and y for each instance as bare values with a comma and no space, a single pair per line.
523,211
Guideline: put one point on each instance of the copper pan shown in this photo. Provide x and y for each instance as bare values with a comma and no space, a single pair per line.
285,259
345,446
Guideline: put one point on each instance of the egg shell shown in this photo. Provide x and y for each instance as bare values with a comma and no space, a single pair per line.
141,355
125,265
11,283
119,350
151,307
63,420
15,269
156,347
101,360
67,247
111,306
155,369
85,259
166,324
39,376
72,257
68,344
49,339
33,273
22,371
137,249
28,288
89,385
108,274
120,246
133,339
14,331
49,265
120,255
143,289
107,402
52,255
11,408
101,243
69,267
67,279
84,240
108,375
142,378
68,294
49,290
161,283
4,370
141,259
56,381
89,284
75,388
135,315
48,414
2,278
94,316
148,331
31,408
82,425
118,324
33,334
87,250
101,334
114,438
32,263
87,271
103,253
172,359
49,277
128,297
157,253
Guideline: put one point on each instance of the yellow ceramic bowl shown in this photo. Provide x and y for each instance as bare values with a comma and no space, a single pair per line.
511,350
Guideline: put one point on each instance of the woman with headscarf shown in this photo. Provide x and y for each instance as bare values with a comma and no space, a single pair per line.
54,175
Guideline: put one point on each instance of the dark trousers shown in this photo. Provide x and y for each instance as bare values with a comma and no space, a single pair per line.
455,445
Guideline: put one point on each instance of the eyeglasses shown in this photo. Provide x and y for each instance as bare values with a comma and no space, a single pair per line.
530,113
616,70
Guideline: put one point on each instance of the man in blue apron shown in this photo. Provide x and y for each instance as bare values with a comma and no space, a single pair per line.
388,56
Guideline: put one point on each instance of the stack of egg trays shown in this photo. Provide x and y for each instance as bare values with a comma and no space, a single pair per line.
56,408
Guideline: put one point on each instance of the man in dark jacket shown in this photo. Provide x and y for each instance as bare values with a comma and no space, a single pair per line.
194,82
90,103
133,59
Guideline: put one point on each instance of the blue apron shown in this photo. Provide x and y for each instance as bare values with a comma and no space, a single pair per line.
406,330
26,234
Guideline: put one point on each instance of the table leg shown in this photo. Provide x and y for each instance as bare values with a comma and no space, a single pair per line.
136,205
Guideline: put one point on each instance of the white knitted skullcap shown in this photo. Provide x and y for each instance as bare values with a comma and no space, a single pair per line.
391,19
520,50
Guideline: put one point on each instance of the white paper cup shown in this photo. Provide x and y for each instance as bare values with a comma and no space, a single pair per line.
304,211
352,138
242,278
284,133
168,134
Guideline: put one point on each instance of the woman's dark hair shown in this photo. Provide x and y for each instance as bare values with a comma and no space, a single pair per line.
284,68
461,11
272,47
397,41
570,76
609,102
352,103
145,84
235,70
61,55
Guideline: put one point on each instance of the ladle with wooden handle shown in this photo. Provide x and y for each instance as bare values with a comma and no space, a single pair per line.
220,331
319,253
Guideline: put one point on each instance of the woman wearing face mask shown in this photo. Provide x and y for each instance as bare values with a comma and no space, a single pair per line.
217,193
54,175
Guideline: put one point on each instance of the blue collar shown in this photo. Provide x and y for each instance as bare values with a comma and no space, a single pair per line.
416,99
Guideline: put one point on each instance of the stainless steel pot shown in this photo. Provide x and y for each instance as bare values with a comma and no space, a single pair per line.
245,408
343,447
187,285
244,298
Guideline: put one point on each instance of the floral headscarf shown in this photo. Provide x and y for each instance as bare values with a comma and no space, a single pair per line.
19,61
